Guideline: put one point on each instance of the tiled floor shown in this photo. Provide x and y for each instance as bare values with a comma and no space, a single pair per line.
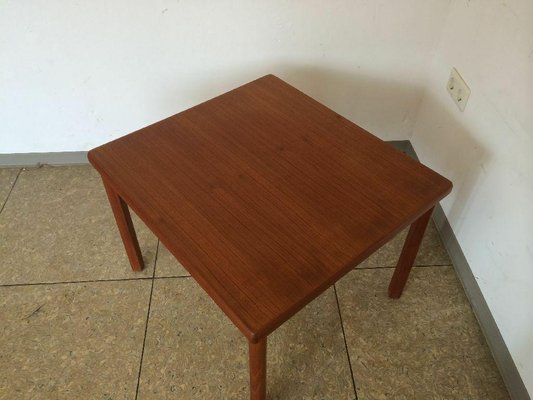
76,323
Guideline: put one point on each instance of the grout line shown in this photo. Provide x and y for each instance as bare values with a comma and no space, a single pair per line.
146,324
156,256
433,265
10,190
345,343
74,282
165,277
173,277
414,266
169,277
144,278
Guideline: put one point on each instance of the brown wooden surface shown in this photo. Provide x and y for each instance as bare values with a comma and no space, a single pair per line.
258,369
125,227
266,196
408,255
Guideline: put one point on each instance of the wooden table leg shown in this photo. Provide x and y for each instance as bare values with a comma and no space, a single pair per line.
409,252
258,369
125,227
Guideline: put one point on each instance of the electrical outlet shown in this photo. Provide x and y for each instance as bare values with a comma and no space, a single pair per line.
458,89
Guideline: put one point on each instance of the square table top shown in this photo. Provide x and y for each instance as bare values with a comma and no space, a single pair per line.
266,196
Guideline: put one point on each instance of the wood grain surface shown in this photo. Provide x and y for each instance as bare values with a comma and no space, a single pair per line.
266,196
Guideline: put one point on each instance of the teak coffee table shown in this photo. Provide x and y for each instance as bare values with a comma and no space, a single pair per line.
267,198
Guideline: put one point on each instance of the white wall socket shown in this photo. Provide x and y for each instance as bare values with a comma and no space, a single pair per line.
458,89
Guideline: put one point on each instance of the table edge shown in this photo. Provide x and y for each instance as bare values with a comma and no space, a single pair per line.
256,335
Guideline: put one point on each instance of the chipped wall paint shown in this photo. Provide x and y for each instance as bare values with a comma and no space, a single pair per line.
487,152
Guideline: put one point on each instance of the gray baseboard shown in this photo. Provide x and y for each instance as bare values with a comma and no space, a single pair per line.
17,160
504,361
511,376
404,146
515,386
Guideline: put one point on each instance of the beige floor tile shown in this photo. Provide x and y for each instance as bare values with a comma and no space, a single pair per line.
58,226
72,341
431,252
7,178
167,265
193,351
426,345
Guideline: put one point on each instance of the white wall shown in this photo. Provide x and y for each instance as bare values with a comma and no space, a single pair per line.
75,74
487,152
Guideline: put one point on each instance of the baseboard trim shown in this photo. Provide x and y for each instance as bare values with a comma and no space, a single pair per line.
404,146
515,386
510,375
17,160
